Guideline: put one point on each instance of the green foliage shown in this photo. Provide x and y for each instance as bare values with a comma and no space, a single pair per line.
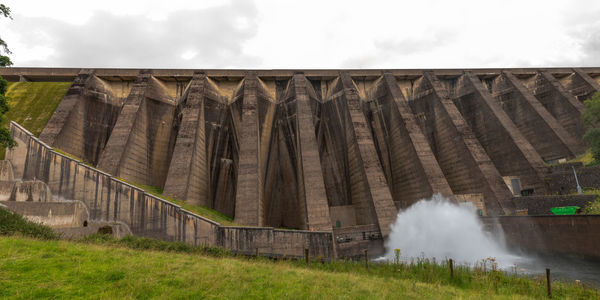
5,61
591,119
6,140
142,243
5,11
14,224
592,136
591,113
593,208
107,268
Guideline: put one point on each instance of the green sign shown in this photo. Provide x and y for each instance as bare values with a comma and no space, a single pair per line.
564,210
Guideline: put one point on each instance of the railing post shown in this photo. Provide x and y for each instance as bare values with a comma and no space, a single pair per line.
549,283
306,256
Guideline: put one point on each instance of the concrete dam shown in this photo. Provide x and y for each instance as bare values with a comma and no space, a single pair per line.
339,151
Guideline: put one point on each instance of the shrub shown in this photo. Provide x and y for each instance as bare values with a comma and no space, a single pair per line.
13,224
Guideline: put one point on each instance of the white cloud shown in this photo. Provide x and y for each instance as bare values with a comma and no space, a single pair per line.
304,34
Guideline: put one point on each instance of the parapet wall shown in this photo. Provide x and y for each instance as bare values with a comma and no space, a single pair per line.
112,200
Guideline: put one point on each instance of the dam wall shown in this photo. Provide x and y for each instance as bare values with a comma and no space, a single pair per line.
338,151
112,200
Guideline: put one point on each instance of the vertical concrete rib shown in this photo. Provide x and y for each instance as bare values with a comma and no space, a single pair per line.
560,103
61,116
463,160
383,203
493,127
544,132
247,191
425,167
188,172
309,164
110,160
140,146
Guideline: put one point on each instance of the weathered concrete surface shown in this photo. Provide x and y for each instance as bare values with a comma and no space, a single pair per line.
310,177
52,214
510,151
410,166
202,169
560,103
376,182
536,124
24,191
83,121
563,182
580,84
248,189
141,143
110,200
6,171
570,235
463,160
312,149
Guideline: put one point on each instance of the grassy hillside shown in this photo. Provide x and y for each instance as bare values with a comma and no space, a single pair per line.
33,103
109,268
100,266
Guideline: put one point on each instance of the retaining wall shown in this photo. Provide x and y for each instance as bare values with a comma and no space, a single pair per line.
563,182
112,200
569,235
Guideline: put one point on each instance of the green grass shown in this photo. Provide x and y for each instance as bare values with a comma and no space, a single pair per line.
587,159
14,224
73,157
112,268
197,209
32,104
594,207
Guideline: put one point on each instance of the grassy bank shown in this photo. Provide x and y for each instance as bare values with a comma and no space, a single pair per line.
100,266
48,269
32,104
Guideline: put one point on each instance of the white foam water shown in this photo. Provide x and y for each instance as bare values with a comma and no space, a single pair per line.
438,228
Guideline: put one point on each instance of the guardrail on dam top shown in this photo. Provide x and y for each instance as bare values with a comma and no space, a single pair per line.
112,200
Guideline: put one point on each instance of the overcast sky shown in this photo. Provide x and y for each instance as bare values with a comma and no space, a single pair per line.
304,34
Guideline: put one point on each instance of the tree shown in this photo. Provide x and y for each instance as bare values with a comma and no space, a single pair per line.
591,120
5,139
